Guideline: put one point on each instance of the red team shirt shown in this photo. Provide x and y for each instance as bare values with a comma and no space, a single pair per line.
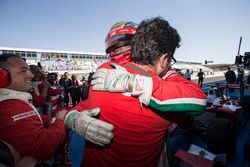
23,128
139,132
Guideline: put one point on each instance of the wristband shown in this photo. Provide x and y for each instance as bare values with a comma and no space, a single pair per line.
132,83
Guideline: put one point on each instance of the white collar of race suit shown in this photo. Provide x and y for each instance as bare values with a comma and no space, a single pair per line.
171,73
7,94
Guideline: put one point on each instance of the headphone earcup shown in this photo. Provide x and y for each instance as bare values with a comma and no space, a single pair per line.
5,78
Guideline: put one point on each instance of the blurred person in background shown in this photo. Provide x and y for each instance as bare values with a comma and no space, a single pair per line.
240,79
40,88
187,74
240,74
201,76
75,90
52,78
230,76
83,88
54,97
66,82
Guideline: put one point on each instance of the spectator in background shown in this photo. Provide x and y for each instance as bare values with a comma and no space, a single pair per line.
230,76
83,85
85,89
40,88
75,90
39,65
187,74
201,76
240,74
54,95
52,79
240,79
66,82
83,80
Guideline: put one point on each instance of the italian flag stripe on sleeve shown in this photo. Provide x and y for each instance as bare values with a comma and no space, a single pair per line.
180,105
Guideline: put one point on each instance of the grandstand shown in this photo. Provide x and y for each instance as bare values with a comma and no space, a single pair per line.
82,62
55,60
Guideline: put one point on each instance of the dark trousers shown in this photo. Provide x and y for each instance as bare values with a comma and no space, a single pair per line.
66,99
75,100
200,81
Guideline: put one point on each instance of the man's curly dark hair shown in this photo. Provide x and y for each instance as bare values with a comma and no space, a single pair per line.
153,38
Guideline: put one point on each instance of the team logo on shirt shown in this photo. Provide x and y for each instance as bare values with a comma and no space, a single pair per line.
23,115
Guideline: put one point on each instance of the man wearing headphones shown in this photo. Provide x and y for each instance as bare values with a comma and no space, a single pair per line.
21,125
24,128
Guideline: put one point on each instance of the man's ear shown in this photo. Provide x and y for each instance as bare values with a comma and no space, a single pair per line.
163,60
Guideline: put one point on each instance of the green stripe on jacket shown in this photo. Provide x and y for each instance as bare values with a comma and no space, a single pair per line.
190,109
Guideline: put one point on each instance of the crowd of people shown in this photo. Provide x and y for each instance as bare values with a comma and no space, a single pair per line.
36,117
50,92
61,64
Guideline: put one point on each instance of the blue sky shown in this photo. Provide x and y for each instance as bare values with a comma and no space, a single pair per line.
210,29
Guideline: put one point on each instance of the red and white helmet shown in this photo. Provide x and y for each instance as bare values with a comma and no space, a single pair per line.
120,36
